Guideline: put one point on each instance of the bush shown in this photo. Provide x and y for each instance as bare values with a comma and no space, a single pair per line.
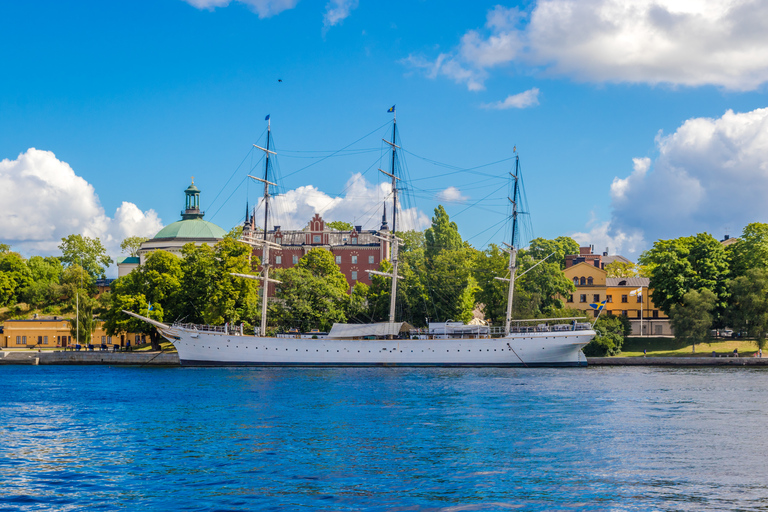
609,338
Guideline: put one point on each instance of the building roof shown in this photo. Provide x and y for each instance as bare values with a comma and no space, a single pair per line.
613,258
633,282
128,260
197,229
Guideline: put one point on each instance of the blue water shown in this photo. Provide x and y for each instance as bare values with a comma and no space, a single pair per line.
107,438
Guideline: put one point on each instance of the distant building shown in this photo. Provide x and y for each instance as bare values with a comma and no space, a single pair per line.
354,251
55,332
586,255
727,240
593,286
190,229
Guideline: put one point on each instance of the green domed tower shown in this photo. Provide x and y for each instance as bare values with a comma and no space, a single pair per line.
192,227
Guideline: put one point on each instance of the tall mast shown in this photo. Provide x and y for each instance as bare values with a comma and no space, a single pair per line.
512,249
393,236
265,244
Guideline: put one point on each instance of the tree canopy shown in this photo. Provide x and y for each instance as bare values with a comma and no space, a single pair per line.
87,252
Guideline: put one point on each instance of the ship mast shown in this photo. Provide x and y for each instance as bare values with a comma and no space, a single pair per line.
394,241
264,243
512,250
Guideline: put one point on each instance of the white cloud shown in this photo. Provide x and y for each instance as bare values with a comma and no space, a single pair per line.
264,8
452,195
337,11
361,203
711,175
679,42
525,99
43,200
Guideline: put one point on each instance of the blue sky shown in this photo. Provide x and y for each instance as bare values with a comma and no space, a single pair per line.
619,111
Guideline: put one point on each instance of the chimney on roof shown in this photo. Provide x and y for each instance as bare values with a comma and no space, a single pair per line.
359,229
726,237
277,228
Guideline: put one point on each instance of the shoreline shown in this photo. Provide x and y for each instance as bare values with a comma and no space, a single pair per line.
172,359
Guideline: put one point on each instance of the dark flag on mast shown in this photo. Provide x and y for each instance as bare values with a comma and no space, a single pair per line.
267,118
391,109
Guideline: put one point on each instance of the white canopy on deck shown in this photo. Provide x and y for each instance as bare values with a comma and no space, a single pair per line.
362,330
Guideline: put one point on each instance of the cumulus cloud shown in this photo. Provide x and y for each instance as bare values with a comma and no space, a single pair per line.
710,175
717,42
361,203
43,200
529,98
452,195
264,8
337,11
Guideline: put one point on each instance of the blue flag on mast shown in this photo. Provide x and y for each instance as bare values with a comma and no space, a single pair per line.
391,109
267,118
598,305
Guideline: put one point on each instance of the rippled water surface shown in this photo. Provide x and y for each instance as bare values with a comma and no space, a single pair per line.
383,439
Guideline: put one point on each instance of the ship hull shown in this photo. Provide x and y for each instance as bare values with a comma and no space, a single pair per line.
552,349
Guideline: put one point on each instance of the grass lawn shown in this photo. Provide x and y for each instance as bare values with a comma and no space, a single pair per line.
167,346
670,347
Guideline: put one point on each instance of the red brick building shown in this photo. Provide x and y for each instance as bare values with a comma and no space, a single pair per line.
354,251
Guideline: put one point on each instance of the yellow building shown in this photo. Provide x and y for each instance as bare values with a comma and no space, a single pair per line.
629,297
55,333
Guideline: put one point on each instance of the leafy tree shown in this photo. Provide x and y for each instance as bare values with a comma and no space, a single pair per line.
540,248
751,250
132,244
749,304
609,338
47,269
5,248
622,269
688,263
81,327
339,225
692,318
539,289
443,235
87,252
236,233
357,309
14,277
313,293
492,293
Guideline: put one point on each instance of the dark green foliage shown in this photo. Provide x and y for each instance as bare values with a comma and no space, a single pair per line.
750,251
692,318
540,248
609,338
749,304
339,225
14,277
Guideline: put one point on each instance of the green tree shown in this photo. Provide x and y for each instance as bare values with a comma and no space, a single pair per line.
132,244
538,290
751,250
622,269
443,235
339,225
82,326
357,309
47,269
5,248
688,263
609,338
87,252
492,293
692,318
312,294
14,277
541,248
749,304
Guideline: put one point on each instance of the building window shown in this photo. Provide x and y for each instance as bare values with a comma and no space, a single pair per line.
609,298
583,281
623,298
39,340
18,340
583,297
655,313
103,340
109,339
338,260
576,281
624,312
570,298
295,259
596,297
316,239
354,275
590,281
639,314
370,259
354,260
137,339
278,260
353,240
639,297
278,241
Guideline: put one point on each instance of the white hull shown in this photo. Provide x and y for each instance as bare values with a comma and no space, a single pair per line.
560,348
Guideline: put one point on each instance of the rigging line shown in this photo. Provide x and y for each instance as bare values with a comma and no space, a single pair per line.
230,197
475,203
250,151
457,169
342,149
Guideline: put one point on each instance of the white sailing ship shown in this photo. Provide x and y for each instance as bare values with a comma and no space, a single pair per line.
387,343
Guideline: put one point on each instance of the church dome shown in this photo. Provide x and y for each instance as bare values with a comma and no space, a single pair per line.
197,229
